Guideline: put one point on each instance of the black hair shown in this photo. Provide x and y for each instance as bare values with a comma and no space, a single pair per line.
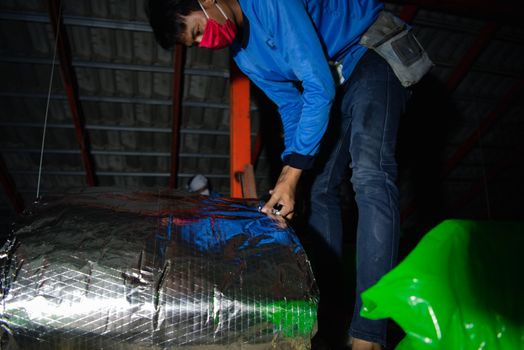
166,19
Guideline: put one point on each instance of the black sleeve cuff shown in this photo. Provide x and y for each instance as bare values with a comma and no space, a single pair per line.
299,161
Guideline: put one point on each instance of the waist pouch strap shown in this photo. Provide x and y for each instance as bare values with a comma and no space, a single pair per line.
392,39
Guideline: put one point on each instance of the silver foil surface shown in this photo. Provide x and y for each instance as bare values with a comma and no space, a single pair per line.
114,269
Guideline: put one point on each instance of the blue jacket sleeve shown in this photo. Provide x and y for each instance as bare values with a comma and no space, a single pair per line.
304,114
289,102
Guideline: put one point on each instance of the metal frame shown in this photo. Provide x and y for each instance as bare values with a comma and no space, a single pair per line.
113,173
28,16
464,66
114,153
114,99
179,57
117,128
500,109
71,86
460,71
217,73
463,150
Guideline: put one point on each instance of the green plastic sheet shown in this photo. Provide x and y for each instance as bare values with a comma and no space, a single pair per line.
460,288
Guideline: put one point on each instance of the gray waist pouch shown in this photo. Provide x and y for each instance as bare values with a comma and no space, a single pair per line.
392,39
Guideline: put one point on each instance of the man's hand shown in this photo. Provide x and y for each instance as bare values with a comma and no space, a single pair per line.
282,201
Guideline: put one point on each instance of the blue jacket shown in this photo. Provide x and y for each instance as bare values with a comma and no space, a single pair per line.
285,51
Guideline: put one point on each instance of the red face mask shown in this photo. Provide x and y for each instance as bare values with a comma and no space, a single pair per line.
216,35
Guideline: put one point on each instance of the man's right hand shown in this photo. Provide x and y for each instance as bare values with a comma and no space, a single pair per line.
282,200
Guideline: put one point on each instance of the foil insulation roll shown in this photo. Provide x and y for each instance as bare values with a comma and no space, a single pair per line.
114,269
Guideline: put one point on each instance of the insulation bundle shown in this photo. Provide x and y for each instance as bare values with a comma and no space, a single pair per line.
107,269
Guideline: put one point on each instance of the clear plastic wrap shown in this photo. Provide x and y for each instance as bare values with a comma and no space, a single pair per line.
106,269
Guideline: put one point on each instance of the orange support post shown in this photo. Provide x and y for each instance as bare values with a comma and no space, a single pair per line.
240,129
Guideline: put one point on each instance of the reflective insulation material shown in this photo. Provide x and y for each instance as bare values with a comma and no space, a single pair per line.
108,269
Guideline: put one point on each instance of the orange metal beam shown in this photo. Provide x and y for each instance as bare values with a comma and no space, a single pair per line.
240,128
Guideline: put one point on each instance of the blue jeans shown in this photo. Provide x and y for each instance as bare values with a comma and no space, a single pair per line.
362,136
